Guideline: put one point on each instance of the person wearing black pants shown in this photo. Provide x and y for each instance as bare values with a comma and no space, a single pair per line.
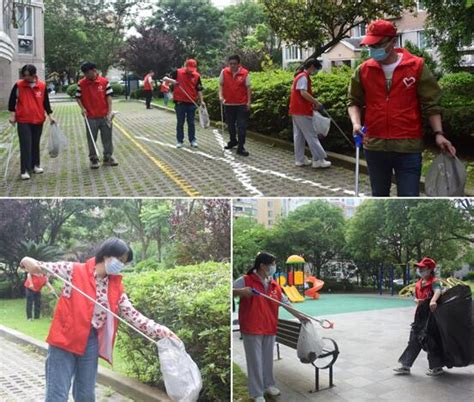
33,285
235,95
28,104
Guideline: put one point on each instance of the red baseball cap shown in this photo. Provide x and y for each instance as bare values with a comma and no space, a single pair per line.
191,65
379,30
426,263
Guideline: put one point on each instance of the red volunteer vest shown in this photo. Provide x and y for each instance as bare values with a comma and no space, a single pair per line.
37,281
72,321
396,114
30,102
164,88
235,87
257,315
147,85
187,82
94,98
298,105
425,292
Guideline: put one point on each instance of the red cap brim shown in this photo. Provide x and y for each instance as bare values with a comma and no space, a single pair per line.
370,40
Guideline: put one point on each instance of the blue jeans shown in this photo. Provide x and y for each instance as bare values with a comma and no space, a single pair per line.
62,366
185,112
407,168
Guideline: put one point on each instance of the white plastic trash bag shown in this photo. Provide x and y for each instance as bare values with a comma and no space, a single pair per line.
446,177
204,117
181,375
310,344
321,124
57,141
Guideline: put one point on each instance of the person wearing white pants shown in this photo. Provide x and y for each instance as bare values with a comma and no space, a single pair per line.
302,106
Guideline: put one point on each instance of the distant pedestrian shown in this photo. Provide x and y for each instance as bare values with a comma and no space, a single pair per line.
33,285
148,87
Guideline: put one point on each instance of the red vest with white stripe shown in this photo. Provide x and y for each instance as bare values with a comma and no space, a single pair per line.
235,88
30,102
94,97
395,114
187,82
72,321
257,315
298,105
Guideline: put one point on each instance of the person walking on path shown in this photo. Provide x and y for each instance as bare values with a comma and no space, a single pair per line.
148,88
302,106
394,89
81,331
235,95
166,92
187,89
33,285
258,319
428,287
28,106
94,97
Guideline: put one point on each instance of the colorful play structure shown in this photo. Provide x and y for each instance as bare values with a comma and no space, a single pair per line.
293,280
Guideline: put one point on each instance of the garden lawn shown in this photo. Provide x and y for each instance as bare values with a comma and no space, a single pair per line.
239,387
13,315
160,102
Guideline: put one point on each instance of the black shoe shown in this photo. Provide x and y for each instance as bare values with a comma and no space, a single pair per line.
110,162
242,152
95,164
231,145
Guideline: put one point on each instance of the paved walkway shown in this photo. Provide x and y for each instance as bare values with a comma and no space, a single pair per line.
370,344
22,376
150,165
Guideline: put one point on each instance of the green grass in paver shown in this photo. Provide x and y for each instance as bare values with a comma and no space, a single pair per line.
239,387
159,101
13,315
330,304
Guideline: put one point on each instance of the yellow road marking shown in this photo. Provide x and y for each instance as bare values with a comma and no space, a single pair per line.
165,168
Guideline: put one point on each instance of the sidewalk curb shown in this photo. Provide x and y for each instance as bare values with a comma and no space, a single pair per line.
341,160
124,385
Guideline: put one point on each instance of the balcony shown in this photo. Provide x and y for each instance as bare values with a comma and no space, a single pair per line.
7,48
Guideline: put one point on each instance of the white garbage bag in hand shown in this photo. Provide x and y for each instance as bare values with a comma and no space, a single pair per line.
310,344
204,119
57,141
321,124
181,375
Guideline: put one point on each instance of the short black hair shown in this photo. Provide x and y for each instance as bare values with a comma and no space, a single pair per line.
262,258
30,68
235,57
113,247
87,66
312,62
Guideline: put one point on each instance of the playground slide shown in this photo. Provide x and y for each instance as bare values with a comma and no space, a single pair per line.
313,292
293,294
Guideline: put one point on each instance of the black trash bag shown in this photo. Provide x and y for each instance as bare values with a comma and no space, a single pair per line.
448,331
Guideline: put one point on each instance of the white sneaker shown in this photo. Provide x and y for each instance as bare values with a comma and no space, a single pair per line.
38,170
402,369
259,399
25,176
194,144
272,391
179,145
435,372
306,162
321,164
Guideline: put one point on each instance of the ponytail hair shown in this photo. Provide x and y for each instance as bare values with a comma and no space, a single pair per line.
262,258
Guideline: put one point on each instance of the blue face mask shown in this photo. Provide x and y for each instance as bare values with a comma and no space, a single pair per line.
378,54
114,266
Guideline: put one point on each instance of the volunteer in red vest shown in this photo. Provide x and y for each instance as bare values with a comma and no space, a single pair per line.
148,88
187,90
428,287
394,90
81,331
28,106
302,106
258,318
94,96
166,92
236,96
33,285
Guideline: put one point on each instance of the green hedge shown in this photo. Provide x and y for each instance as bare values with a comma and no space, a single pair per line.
140,93
271,92
194,302
71,90
118,89
469,276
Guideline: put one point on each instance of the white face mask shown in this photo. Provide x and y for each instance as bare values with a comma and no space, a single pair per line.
114,266
272,270
425,273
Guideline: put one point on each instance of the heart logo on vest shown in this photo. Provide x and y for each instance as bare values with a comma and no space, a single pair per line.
409,81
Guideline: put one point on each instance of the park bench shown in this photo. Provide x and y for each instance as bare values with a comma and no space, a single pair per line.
288,334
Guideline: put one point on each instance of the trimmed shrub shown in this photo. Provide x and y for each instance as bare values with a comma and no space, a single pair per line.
71,90
118,89
194,302
458,90
140,93
469,276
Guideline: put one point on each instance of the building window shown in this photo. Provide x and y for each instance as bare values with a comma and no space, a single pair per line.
361,30
270,214
399,41
25,30
270,222
421,40
420,5
293,53
270,204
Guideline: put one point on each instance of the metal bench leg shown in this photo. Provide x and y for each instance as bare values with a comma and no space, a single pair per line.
317,379
278,351
331,384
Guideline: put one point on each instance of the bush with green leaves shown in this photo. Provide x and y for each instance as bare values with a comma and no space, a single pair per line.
118,89
469,276
193,301
71,90
139,93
